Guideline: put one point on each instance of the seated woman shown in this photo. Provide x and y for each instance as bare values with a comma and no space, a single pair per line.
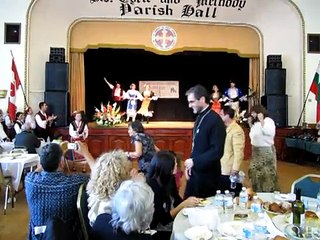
144,147
132,210
166,193
109,171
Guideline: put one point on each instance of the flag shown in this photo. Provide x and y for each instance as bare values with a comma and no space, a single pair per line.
14,86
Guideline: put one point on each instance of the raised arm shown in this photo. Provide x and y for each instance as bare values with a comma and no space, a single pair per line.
109,84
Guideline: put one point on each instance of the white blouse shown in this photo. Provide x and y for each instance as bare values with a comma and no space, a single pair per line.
263,136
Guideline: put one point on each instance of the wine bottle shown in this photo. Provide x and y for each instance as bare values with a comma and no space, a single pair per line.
298,210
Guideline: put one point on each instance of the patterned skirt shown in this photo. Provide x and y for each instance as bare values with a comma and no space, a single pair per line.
262,169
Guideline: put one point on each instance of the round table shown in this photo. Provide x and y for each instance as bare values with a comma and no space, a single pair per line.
181,222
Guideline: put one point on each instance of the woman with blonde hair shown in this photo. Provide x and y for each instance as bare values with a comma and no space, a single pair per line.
109,171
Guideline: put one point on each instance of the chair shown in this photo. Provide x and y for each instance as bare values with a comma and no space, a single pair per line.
309,185
22,150
82,206
6,181
64,148
71,157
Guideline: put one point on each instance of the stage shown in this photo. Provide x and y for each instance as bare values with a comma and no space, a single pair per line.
167,135
151,124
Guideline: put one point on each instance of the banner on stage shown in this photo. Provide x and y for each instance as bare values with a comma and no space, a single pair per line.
163,89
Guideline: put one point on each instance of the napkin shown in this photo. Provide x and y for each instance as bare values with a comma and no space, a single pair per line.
204,216
273,231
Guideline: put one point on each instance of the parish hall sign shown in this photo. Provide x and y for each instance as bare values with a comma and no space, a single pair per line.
182,8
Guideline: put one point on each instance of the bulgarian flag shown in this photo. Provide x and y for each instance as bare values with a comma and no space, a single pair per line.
315,88
14,86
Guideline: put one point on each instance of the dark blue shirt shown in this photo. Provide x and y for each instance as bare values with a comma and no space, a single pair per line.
51,194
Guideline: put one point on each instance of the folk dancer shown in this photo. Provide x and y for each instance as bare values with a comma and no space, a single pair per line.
43,122
215,99
117,93
146,109
133,96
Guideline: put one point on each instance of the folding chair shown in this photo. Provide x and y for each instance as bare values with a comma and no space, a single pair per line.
6,182
82,206
309,185
64,147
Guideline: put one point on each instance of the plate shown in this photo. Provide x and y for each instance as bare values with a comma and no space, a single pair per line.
232,229
204,202
265,207
198,233
285,197
281,221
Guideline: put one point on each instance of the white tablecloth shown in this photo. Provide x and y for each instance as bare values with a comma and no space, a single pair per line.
181,222
8,146
13,166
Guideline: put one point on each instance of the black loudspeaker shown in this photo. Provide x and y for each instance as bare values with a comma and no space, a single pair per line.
277,106
58,104
275,81
274,61
57,77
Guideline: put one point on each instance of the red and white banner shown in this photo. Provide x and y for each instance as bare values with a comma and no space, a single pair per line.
14,86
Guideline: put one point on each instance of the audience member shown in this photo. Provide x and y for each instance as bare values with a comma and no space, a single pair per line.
109,171
26,138
8,126
50,192
233,149
144,147
18,122
167,202
132,210
3,135
262,168
29,118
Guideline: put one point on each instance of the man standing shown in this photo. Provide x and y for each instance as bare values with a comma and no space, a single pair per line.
203,168
43,122
233,149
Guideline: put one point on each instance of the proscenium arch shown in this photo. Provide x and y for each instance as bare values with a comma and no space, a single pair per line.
57,17
92,34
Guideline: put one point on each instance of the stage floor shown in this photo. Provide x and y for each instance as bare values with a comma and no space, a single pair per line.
151,124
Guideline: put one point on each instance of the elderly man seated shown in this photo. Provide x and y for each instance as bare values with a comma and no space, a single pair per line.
50,192
26,138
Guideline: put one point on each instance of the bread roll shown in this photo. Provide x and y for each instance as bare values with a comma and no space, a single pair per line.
280,238
310,214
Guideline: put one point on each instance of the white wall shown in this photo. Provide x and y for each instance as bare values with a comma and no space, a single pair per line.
310,11
12,12
277,20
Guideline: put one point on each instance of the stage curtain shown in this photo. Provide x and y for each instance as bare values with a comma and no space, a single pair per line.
77,84
254,82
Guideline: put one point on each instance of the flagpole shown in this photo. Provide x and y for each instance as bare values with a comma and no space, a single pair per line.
24,95
304,106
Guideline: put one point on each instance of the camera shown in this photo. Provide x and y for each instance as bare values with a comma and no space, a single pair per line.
72,146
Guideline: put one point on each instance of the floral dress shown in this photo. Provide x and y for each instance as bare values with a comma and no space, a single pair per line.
148,150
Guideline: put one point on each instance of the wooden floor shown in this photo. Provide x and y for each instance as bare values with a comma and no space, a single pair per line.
14,225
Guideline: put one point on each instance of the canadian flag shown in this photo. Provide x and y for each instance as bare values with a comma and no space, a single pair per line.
15,83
